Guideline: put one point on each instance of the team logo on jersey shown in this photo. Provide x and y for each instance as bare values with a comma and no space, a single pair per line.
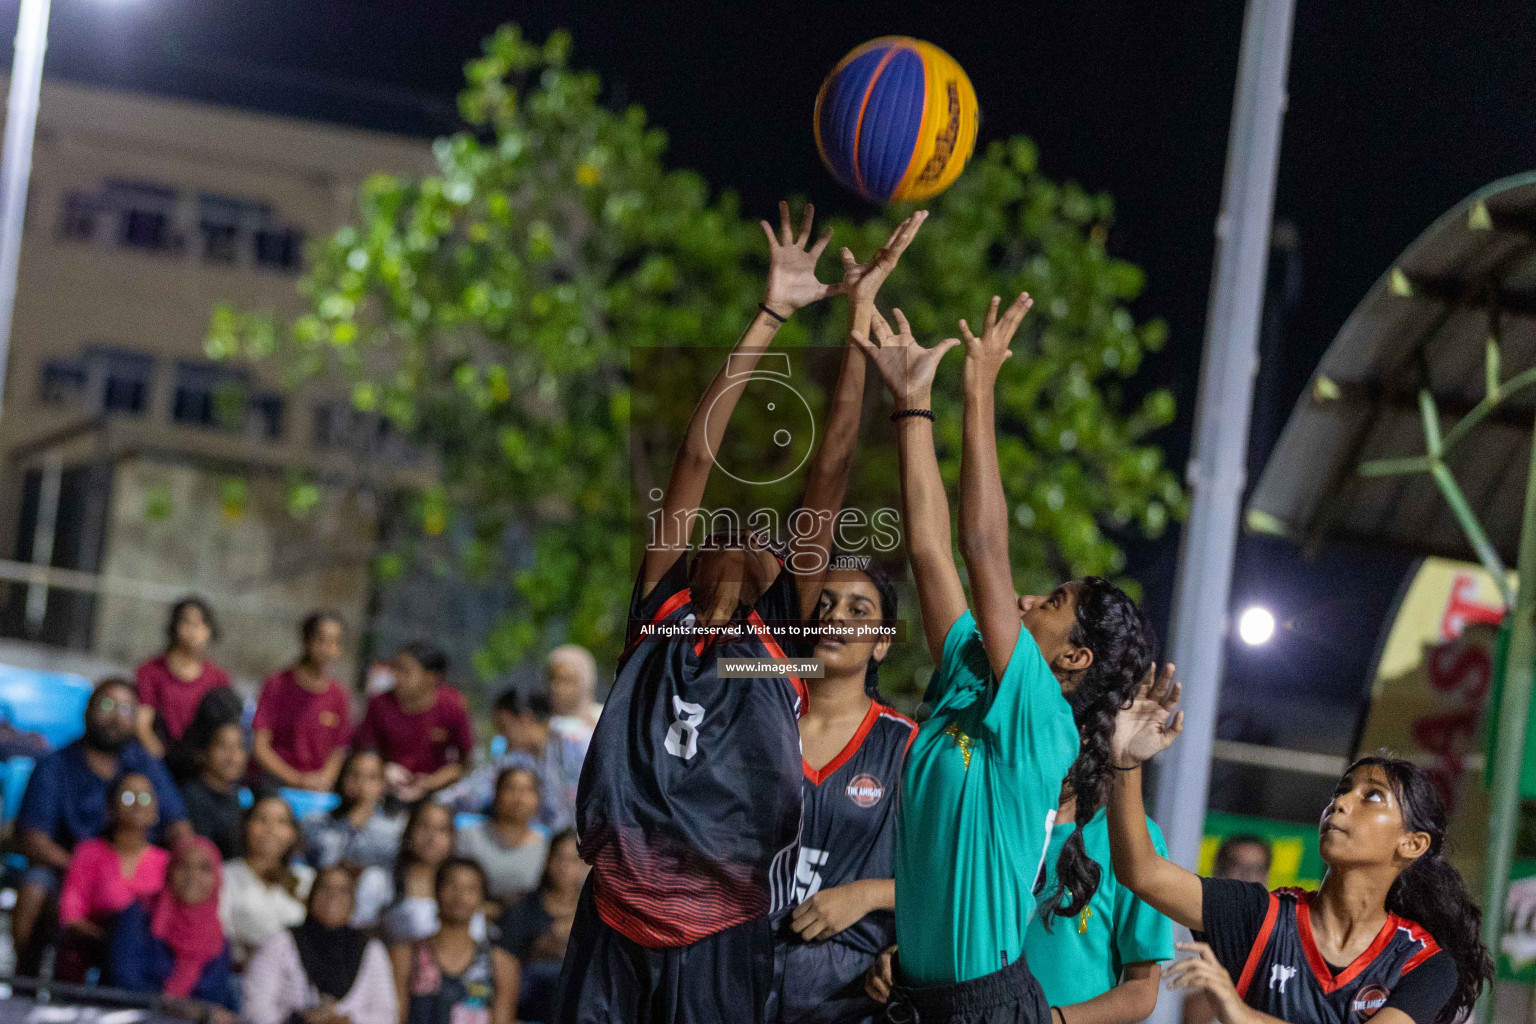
865,790
1279,974
1367,1001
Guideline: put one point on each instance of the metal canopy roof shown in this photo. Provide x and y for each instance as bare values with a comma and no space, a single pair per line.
1425,324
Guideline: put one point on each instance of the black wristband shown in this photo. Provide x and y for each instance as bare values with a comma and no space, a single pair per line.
901,414
764,307
1062,1017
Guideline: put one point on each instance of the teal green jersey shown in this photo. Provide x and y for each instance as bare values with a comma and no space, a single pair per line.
978,798
1081,957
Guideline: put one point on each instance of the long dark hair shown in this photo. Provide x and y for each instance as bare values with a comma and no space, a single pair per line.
1124,648
345,804
406,857
285,876
1430,892
174,619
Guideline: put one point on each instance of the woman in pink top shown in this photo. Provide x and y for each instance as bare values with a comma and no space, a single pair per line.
172,685
107,874
303,717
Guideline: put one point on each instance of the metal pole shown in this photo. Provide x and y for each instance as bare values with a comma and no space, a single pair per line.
16,158
1217,475
1509,741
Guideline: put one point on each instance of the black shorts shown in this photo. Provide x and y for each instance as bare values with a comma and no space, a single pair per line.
821,983
607,977
1009,996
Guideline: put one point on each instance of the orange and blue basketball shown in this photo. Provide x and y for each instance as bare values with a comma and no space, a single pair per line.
896,119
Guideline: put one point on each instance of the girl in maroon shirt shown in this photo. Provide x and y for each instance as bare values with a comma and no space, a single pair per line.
303,717
171,685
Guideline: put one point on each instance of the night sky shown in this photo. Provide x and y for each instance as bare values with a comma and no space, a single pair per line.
1397,111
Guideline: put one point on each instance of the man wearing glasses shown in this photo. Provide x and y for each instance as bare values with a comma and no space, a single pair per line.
66,802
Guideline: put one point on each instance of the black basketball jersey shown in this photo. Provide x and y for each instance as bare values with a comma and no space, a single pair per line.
848,824
1285,976
690,793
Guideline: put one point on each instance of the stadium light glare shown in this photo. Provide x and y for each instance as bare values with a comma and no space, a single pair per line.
1256,626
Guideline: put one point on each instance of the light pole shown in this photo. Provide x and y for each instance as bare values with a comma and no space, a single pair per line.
16,158
1199,630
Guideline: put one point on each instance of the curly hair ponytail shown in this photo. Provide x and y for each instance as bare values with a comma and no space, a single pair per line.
1124,647
1430,892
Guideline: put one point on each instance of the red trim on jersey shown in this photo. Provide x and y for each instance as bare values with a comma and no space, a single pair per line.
911,728
1431,947
1329,981
668,606
817,777
760,630
1257,952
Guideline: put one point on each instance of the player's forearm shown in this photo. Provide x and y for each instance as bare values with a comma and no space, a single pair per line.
924,503
1128,1002
983,507
827,484
881,893
1165,886
706,427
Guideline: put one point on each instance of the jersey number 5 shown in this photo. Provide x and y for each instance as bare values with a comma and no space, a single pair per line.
683,737
807,878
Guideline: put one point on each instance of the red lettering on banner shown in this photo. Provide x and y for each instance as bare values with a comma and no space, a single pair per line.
1464,607
1453,665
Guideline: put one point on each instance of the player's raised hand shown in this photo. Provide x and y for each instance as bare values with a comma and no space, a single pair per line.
1151,723
792,280
906,367
985,355
862,281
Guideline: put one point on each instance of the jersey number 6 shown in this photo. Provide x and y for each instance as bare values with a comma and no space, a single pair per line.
683,737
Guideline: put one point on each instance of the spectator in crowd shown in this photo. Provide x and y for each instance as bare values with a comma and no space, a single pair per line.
571,675
1246,858
524,725
66,802
358,832
1243,857
323,971
220,706
420,727
303,718
172,684
536,928
264,891
172,943
212,795
106,875
508,845
455,974
404,902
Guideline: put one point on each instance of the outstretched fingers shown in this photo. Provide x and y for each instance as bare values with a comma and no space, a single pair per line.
1015,313
901,321
786,233
806,219
991,321
821,245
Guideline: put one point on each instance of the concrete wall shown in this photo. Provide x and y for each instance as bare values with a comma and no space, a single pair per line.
260,567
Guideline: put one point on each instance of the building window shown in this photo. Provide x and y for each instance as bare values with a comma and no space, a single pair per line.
63,382
279,249
124,379
146,215
220,242
78,221
266,417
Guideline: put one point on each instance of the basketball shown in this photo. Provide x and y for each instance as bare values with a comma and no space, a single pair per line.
896,120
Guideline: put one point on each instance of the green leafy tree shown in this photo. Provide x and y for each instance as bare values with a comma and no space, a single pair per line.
488,313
